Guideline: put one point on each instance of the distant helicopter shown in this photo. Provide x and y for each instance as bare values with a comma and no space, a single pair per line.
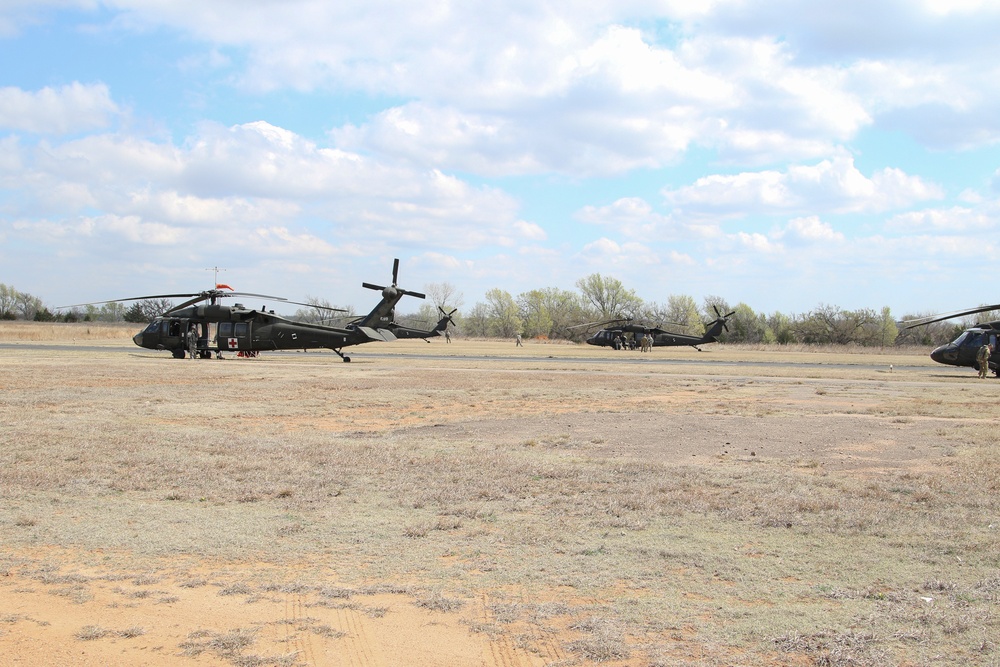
661,338
962,351
248,332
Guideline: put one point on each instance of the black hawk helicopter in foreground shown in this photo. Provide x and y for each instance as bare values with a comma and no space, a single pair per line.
247,331
626,331
963,350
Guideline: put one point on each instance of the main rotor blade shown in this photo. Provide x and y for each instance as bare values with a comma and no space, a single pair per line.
377,288
217,293
598,324
189,302
194,296
316,306
921,321
131,298
585,324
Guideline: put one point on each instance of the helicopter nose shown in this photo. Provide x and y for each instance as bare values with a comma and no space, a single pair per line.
137,339
946,354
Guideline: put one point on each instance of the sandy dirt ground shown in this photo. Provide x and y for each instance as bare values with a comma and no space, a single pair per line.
137,598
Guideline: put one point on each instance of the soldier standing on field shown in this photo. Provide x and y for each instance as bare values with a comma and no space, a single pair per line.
983,359
192,341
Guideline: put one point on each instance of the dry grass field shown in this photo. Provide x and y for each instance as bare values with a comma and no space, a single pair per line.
481,504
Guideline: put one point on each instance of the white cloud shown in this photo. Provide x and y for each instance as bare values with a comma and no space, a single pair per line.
757,242
199,212
810,230
608,253
834,186
967,7
680,259
624,211
228,185
281,241
530,231
77,231
75,107
957,219
536,87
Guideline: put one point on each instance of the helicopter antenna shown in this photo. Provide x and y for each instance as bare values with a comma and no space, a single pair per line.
215,281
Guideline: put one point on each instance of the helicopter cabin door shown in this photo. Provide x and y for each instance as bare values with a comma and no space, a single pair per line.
172,334
234,336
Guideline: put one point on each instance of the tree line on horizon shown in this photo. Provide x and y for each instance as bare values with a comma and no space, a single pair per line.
557,314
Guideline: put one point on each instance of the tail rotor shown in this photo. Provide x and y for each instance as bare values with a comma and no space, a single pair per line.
722,318
447,317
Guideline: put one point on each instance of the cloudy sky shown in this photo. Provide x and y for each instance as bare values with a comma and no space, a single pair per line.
783,154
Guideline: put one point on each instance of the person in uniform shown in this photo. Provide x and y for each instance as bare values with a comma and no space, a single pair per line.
192,341
983,359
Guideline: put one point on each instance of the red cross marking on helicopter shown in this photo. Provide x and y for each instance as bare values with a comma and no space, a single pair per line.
233,343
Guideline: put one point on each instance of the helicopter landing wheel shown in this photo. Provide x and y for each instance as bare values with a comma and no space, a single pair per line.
347,360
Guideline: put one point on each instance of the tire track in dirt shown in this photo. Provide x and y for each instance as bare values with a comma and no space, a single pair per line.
297,635
503,650
359,649
546,641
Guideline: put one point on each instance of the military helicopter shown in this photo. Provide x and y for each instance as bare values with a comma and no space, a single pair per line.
661,338
247,331
963,350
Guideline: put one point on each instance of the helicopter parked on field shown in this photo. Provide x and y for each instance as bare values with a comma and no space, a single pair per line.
963,350
248,332
628,333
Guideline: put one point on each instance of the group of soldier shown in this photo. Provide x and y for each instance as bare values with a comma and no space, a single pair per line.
644,342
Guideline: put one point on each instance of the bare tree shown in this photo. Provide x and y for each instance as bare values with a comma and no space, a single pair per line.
683,310
28,305
153,308
8,301
444,295
321,310
608,296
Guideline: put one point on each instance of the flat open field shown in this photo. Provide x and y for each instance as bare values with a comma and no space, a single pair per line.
485,505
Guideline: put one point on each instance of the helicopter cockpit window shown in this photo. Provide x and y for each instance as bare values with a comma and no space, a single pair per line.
152,327
972,339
